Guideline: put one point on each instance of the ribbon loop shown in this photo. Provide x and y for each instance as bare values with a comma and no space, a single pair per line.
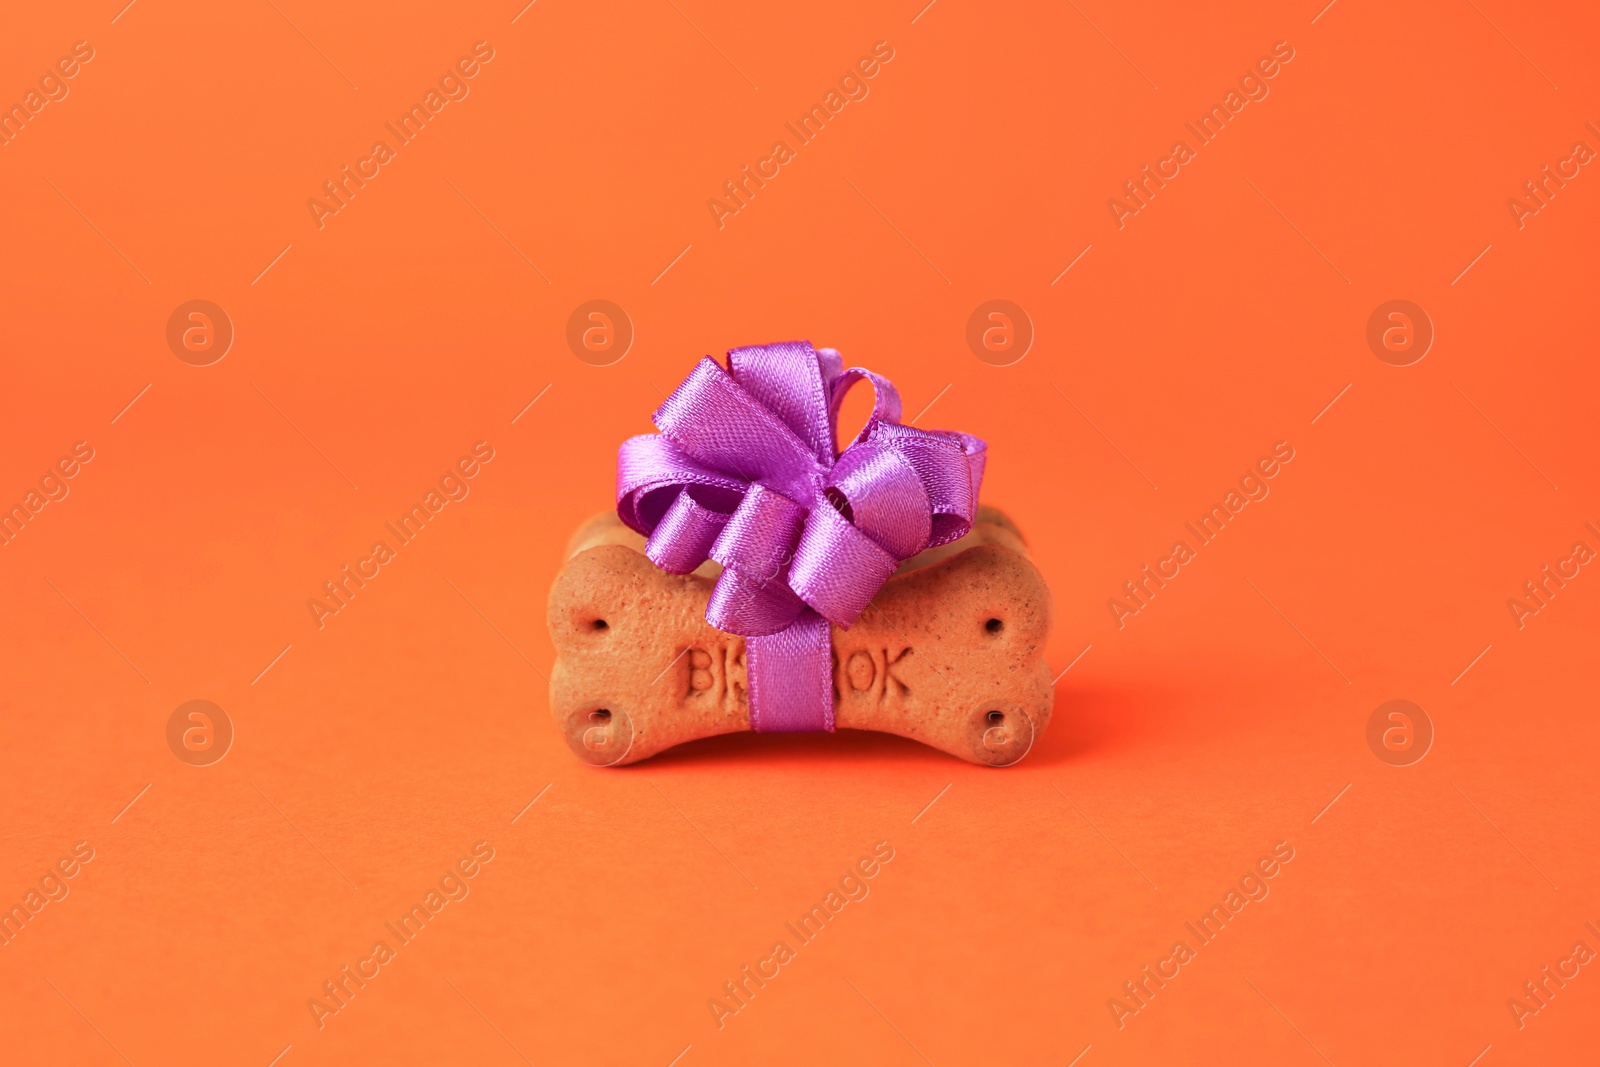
838,569
793,383
886,497
745,471
759,539
686,534
885,399
739,606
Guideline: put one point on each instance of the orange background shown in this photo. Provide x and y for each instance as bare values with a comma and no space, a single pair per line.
1222,719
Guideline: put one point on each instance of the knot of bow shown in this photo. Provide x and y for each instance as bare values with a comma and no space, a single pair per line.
745,471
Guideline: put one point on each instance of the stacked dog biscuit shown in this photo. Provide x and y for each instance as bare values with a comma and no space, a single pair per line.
949,653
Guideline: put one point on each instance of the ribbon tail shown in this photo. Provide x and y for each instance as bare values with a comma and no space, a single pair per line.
791,677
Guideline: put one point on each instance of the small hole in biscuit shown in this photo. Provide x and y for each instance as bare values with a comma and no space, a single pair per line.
994,626
600,624
996,718
600,716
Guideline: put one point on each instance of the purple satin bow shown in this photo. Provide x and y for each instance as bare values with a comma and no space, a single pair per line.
745,472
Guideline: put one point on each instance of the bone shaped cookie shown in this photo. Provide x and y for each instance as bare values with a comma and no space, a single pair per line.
949,653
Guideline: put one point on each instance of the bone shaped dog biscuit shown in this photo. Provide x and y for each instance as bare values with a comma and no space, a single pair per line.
949,653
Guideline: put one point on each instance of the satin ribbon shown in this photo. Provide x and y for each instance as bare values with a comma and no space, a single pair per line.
745,471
